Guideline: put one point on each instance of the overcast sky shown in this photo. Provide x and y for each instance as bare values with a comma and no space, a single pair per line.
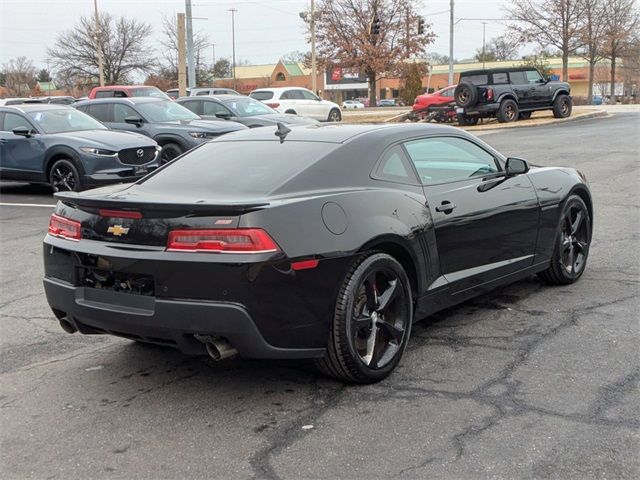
265,29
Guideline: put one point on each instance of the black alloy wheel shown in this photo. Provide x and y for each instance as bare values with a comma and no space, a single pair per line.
64,177
508,111
466,94
572,244
169,152
562,106
372,321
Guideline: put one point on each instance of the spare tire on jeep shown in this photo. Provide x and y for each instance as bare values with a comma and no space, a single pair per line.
466,94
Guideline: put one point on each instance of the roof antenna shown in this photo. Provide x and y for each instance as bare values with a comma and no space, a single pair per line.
282,132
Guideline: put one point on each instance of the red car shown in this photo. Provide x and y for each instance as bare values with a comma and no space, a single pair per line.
441,97
127,91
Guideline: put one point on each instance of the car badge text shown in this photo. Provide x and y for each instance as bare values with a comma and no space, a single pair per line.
118,230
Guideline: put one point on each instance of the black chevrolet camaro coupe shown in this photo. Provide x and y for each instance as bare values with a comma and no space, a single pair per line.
323,242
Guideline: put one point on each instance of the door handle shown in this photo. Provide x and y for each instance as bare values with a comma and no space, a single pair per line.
446,207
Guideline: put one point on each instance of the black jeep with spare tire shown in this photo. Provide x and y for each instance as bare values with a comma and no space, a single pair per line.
509,94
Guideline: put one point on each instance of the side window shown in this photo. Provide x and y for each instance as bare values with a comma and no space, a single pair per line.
212,108
448,92
394,167
120,112
308,95
500,78
99,111
104,94
292,95
533,76
11,121
517,78
202,92
443,159
194,106
120,94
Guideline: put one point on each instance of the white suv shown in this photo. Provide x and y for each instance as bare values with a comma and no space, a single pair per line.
299,101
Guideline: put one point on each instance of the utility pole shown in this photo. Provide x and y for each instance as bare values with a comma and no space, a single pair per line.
182,80
314,69
484,25
233,44
98,44
190,65
213,67
451,43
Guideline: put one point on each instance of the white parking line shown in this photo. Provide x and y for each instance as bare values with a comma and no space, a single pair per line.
6,204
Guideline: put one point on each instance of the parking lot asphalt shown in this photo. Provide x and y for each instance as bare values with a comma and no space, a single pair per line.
530,381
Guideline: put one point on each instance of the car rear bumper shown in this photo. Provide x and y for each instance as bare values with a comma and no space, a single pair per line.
170,322
479,109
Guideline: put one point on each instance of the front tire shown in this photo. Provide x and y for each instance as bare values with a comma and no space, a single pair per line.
64,177
562,106
573,238
372,321
334,115
169,152
508,111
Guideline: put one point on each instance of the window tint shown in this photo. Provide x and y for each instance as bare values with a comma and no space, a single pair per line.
120,112
518,78
533,76
261,95
104,94
499,78
233,169
482,79
11,121
449,158
99,111
212,108
393,167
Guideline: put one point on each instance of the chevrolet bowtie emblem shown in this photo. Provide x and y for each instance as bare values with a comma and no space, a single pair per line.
118,230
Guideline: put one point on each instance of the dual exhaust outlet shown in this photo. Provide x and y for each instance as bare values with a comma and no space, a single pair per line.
217,348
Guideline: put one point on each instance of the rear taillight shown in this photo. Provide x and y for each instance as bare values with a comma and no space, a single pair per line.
489,93
273,105
120,214
64,228
236,240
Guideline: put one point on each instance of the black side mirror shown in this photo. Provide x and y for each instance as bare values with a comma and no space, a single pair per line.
516,166
137,121
223,115
23,132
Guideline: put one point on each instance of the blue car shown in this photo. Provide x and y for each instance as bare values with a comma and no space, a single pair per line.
68,149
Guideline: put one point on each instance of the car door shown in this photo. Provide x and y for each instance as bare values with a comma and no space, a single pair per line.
194,105
295,101
21,158
314,105
485,223
211,108
122,111
521,87
540,91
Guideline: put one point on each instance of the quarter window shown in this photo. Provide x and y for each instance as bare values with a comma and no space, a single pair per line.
444,159
394,168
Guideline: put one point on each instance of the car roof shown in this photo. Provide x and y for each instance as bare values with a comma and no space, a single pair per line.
278,89
35,107
496,70
125,100
108,87
339,133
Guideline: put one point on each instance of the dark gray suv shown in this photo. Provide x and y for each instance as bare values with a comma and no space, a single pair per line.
58,145
175,128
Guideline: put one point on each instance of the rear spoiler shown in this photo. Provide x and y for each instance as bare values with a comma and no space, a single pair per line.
201,207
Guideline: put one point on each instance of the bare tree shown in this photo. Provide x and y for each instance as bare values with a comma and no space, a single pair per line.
19,76
593,31
169,42
621,22
123,43
553,23
346,35
295,56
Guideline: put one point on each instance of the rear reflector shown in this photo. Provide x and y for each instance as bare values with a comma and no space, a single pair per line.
232,240
120,214
305,264
64,228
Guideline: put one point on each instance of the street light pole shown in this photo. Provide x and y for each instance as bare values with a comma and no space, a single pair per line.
233,43
190,65
484,25
314,71
451,22
213,68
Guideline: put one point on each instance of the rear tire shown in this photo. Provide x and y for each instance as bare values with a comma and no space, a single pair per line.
292,112
64,177
372,321
334,115
467,120
524,115
508,111
466,94
169,152
573,238
562,106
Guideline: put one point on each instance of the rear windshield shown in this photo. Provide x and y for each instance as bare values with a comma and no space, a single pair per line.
262,95
148,92
227,169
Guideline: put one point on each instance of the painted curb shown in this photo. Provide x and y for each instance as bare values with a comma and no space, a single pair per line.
555,121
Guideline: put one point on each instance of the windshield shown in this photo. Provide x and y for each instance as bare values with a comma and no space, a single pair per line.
166,111
246,107
148,92
67,120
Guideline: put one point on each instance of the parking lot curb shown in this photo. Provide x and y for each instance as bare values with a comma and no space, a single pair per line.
555,121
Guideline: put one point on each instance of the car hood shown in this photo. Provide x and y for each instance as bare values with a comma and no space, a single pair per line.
203,125
108,139
286,118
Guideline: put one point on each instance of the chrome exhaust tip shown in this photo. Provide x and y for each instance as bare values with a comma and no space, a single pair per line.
67,326
217,348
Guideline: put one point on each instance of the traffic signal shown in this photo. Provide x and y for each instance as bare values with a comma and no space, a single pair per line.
420,25
374,26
